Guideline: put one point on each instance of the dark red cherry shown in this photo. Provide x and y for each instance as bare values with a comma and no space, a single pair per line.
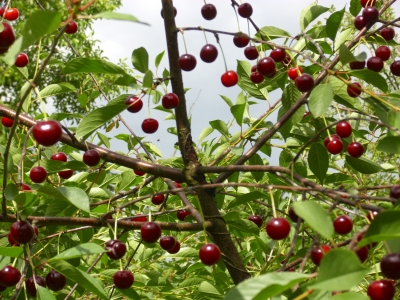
318,253
25,187
182,214
91,157
229,78
395,68
38,174
355,149
115,249
22,232
304,83
245,10
47,133
55,281
383,52
150,125
162,12
365,3
327,139
251,52
295,72
59,156
158,199
7,36
167,242
343,225
278,228
360,22
388,33
241,40
354,89
22,60
381,290
256,219
390,265
187,62
266,66
209,254
66,174
72,28
256,77
7,122
135,104
343,129
209,11
209,53
372,215
150,232
175,249
139,218
335,146
3,50
292,215
139,172
31,287
370,14
357,65
254,68
395,192
170,101
9,276
278,54
362,253
123,279
11,240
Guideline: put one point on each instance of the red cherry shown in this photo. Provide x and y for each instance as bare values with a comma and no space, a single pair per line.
177,186
256,77
372,215
335,146
115,249
209,254
292,215
395,192
22,232
66,174
150,232
139,173
7,122
375,64
59,156
395,68
38,174
362,253
241,40
381,290
383,52
318,253
170,101
55,281
327,139
167,242
9,276
162,12
355,149
123,279
139,218
22,60
256,219
72,28
294,72
287,61
360,22
354,89
187,62
11,240
7,36
12,14
209,53
306,114
47,133
251,52
343,225
365,3
175,249
149,125
91,157
370,14
135,104
272,74
3,50
278,228
158,199
25,187
254,68
357,65
31,287
245,10
209,11
266,66
388,33
2,11
304,83
182,214
278,54
229,78
390,265
343,129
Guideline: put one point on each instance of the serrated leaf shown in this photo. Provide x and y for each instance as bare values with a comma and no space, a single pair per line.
342,37
55,89
205,132
272,32
159,57
88,65
355,7
363,165
44,294
105,140
221,127
333,23
111,15
238,112
242,228
371,77
310,13
318,161
207,288
193,281
320,99
245,198
140,59
73,195
389,144
11,251
148,79
78,251
126,180
290,95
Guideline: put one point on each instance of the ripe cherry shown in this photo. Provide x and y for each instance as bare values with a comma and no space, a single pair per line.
256,219
7,36
139,173
304,83
318,253
47,133
229,78
135,104
182,214
31,287
388,33
72,28
38,174
395,192
372,215
365,3
209,11
272,74
360,22
123,279
327,139
355,149
295,72
390,265
209,254
12,14
55,281
254,68
22,60
357,65
395,68
2,11
245,10
150,232
256,77
381,290
343,225
362,253
66,174
22,232
335,146
241,40
354,89
7,122
139,218
383,52
343,129
115,249
187,62
175,12
3,50
251,52
25,187
91,157
11,240
149,125
370,14
9,276
278,54
175,249
170,101
158,199
375,64
167,242
59,156
278,228
266,66
209,53
292,215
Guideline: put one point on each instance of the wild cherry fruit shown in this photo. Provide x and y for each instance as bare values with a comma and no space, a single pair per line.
158,199
304,83
209,53
335,146
209,11
318,253
25,187
390,265
2,11
7,36
175,12
245,10
9,276
251,52
139,218
11,240
182,214
383,52
115,249
372,215
278,228
343,129
362,253
7,122
170,101
360,22
47,133
241,40
370,14
266,66
3,50
355,149
327,139
354,89
139,173
66,174
22,60
59,156
123,279
150,232
22,232
38,174
229,78
254,68
365,3
295,72
388,33
55,281
381,290
12,14
187,62
175,249
72,28
135,104
343,225
375,64
256,77
278,54
91,157
292,215
209,254
395,68
395,192
167,242
256,219
357,65
149,125
31,287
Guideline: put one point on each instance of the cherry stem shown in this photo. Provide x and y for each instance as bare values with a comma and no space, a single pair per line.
184,42
326,125
272,203
204,34
252,211
237,18
222,51
116,225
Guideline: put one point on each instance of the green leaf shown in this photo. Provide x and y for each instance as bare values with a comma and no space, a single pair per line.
265,286
55,89
245,198
341,96
148,79
238,112
78,251
320,99
55,166
342,37
208,289
333,23
88,65
350,295
310,13
111,15
74,195
11,191
44,294
227,100
256,160
345,55
159,57
371,77
105,140
100,116
363,165
140,59
11,251
272,32
205,132
315,216
340,269
389,144
290,95
221,127
243,71
355,7
243,228
80,277
318,161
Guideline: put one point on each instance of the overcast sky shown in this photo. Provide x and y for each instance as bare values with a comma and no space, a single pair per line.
120,38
